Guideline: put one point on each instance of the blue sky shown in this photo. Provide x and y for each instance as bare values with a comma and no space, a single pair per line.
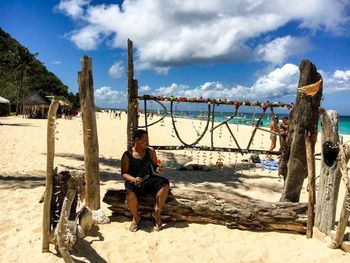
242,49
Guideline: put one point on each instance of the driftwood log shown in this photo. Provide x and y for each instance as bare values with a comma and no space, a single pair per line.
303,117
132,122
66,230
232,211
91,150
330,173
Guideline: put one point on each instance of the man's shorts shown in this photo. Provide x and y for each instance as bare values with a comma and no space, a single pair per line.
150,186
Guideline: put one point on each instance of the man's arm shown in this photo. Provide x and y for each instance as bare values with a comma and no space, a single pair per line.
153,154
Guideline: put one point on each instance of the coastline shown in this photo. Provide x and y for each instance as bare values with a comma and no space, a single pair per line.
23,165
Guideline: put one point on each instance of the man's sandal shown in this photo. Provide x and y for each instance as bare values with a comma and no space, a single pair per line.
157,223
134,226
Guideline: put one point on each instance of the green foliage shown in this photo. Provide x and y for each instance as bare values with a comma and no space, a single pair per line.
21,74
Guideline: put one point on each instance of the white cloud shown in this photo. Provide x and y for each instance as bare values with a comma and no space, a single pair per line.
280,49
342,75
170,33
116,70
73,8
337,82
279,83
87,38
144,90
56,62
107,98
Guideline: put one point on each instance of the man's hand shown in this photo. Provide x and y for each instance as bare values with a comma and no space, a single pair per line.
137,180
159,170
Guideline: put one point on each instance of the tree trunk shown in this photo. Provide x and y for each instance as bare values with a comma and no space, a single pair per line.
330,173
49,174
303,116
232,211
91,150
19,97
132,123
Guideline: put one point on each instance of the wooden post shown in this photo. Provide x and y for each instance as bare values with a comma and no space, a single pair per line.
311,183
49,174
145,106
212,126
345,212
303,116
330,173
91,150
343,222
132,123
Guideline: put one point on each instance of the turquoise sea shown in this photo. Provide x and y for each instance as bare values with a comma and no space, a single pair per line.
251,118
246,118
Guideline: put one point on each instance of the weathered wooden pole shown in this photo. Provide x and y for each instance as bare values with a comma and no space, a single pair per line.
343,222
345,212
303,116
49,174
132,123
212,126
91,150
330,173
310,157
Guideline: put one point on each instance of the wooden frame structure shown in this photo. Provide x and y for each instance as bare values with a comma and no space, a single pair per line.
132,123
210,118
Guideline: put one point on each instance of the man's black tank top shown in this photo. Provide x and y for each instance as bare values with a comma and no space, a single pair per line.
141,167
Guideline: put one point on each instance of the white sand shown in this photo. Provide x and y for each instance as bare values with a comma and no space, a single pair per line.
22,177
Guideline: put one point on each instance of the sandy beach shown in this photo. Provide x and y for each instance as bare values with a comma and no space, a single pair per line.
22,176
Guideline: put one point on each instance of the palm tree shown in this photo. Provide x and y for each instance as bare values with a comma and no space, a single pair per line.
24,60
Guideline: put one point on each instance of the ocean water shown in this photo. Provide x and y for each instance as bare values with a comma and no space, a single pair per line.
247,118
251,118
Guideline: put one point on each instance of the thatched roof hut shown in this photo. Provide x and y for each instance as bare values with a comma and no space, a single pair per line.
4,101
35,106
35,99
4,106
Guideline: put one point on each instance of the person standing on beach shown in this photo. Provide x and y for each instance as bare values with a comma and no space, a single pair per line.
283,132
138,168
273,134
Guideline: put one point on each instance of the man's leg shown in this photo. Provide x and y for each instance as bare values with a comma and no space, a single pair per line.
133,207
161,197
